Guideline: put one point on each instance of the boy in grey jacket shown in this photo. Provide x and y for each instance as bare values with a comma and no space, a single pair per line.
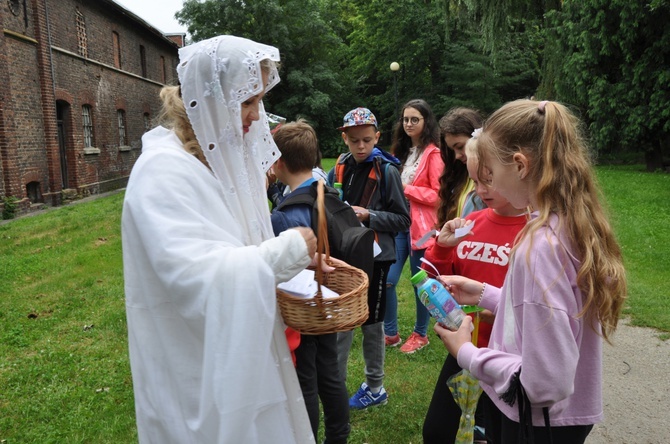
371,185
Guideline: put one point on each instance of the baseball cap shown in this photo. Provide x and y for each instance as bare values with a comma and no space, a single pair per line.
358,117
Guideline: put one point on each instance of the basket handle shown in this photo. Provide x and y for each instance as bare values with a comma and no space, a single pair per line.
322,245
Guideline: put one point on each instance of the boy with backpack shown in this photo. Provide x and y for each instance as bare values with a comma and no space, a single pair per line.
371,184
316,356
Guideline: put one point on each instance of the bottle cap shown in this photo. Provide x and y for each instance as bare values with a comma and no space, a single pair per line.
418,277
337,185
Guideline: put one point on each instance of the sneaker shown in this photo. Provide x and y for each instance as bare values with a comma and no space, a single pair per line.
393,341
364,398
414,342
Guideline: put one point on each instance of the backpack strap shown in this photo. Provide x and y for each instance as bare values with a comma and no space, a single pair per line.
339,168
370,187
371,184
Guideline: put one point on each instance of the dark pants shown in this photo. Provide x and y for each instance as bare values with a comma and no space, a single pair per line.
374,348
442,418
316,365
377,292
502,430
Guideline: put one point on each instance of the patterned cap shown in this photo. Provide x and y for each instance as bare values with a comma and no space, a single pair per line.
359,117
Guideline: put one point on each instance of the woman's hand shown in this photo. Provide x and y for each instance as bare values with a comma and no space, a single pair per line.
310,239
454,340
447,236
465,291
324,266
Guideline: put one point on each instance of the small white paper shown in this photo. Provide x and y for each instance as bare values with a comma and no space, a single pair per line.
423,239
460,232
304,286
376,249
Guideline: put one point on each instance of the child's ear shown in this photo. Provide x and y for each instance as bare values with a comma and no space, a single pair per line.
344,137
522,164
377,134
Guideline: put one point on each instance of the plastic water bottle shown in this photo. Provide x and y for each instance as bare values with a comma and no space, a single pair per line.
338,187
440,303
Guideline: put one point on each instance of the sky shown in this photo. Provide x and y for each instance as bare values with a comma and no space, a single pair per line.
158,13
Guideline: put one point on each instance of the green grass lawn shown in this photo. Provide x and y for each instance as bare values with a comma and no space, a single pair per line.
64,372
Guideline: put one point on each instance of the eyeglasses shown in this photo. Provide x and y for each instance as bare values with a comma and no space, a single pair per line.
412,120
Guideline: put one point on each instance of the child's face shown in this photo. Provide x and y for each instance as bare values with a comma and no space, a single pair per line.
491,198
360,140
413,130
508,180
456,143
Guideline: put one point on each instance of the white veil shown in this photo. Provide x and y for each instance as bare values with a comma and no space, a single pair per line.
217,76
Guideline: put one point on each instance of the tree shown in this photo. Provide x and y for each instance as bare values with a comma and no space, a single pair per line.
311,80
617,70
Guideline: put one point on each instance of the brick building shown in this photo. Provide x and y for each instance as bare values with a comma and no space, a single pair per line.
80,84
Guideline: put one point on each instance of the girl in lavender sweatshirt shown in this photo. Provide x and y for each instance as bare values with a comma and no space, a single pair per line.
564,289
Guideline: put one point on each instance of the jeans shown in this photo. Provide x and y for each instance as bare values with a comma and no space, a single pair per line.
317,369
374,347
403,250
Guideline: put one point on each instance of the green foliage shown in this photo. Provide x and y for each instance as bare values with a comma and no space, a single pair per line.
310,50
9,207
608,59
616,68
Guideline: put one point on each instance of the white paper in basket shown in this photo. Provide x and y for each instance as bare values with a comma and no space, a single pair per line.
304,286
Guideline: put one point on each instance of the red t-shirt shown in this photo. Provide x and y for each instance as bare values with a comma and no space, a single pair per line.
482,255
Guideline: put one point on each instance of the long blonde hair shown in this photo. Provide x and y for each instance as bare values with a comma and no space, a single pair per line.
561,171
173,116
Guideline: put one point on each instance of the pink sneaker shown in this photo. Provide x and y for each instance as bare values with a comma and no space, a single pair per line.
414,342
393,341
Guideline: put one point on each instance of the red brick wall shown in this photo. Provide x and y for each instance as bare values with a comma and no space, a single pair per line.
28,129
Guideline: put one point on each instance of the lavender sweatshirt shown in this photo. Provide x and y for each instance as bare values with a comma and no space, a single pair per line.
537,330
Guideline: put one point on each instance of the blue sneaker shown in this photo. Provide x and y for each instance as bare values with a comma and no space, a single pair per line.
364,398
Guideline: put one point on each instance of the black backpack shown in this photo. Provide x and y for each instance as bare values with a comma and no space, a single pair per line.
349,241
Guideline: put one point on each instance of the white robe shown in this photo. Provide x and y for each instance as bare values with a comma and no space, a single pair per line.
208,353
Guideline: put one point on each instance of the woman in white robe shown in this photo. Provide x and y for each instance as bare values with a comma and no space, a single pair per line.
208,354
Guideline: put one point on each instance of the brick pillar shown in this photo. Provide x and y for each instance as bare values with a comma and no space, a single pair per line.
44,61
9,156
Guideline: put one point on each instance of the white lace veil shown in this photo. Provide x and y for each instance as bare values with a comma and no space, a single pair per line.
217,76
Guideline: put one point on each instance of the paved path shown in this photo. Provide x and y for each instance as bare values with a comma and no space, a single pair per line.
636,389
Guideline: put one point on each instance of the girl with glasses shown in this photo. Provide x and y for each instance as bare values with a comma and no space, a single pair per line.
415,143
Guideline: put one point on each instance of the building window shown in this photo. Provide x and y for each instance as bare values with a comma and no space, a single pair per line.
162,69
86,114
143,60
82,41
116,45
121,117
147,122
34,191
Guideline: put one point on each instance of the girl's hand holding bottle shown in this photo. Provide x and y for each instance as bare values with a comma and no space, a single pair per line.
454,340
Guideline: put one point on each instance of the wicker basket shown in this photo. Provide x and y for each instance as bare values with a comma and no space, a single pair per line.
317,315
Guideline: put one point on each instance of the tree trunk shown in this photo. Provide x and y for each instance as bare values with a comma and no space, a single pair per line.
654,157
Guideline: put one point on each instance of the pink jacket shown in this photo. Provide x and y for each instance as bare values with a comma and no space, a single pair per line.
423,195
